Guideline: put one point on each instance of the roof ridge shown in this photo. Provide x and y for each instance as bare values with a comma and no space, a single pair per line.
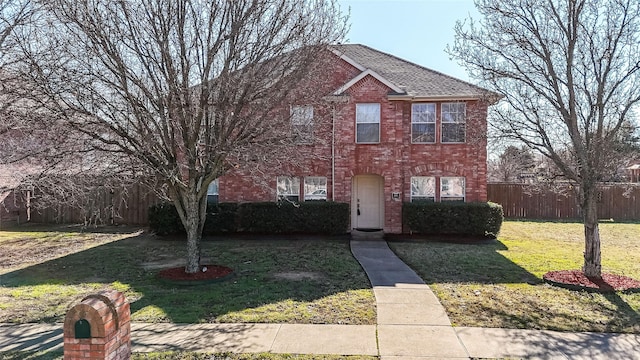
421,66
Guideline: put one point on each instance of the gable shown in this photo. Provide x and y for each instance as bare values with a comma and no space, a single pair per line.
405,80
364,74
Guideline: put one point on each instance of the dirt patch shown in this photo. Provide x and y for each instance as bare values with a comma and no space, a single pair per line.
299,275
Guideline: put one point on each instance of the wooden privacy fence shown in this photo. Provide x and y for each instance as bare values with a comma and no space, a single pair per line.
103,207
523,201
616,201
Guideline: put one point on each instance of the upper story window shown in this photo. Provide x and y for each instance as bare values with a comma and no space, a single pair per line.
423,188
302,124
212,192
452,189
288,188
367,123
423,123
453,122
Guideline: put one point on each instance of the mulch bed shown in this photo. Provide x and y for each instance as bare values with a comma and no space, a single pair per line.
576,280
208,273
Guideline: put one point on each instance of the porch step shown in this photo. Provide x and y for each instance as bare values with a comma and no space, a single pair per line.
367,234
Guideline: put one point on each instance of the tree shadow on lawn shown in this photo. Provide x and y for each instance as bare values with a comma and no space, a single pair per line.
120,265
530,303
461,262
524,310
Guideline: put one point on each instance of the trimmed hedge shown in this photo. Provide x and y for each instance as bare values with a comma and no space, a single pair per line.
313,217
221,218
476,219
164,219
317,217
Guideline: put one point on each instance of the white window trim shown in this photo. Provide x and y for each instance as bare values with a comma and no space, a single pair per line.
304,196
378,122
215,182
293,178
464,188
442,122
435,110
434,187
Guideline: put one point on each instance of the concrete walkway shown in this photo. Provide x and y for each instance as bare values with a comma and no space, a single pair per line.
411,320
412,325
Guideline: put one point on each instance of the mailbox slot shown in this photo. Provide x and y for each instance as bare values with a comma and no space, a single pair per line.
82,329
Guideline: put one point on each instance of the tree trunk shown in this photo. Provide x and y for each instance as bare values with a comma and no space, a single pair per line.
592,262
193,241
193,213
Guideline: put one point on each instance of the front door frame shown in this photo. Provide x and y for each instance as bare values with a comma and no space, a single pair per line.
358,184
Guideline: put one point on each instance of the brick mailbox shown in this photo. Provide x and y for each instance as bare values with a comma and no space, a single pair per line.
98,328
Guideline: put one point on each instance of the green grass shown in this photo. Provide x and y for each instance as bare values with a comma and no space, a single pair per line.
57,355
330,286
500,284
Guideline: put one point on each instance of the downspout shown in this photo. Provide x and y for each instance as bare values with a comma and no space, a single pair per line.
333,152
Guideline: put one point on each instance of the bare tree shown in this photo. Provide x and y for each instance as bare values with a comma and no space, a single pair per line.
512,164
570,74
188,88
13,15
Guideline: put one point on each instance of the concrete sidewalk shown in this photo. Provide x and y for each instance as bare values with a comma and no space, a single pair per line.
411,324
347,340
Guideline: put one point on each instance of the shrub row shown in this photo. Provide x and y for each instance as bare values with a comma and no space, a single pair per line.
477,219
317,217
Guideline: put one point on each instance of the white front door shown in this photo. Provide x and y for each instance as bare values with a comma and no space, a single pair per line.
368,202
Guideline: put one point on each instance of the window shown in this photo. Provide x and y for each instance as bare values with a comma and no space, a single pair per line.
423,188
315,188
453,122
288,188
367,123
423,123
212,192
452,189
302,124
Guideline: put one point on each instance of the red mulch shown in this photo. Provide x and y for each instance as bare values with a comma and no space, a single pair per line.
576,280
212,272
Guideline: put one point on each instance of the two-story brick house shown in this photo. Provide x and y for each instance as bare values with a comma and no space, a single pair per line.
390,131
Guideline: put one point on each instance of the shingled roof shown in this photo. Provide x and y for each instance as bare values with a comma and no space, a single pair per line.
405,78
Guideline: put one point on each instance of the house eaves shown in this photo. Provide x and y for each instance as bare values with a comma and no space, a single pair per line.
432,98
364,74
415,82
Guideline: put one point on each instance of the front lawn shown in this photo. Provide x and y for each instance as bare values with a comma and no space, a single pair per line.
279,280
500,284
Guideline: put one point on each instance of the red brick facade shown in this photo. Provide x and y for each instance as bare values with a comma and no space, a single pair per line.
394,158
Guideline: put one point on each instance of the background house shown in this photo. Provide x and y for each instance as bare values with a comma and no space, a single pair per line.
633,171
389,131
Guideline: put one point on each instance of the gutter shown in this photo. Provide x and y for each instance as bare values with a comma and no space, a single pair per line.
431,98
492,98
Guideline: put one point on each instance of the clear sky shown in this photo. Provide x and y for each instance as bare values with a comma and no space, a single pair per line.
415,30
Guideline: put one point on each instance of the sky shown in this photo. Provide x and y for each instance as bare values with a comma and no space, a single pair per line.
414,30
